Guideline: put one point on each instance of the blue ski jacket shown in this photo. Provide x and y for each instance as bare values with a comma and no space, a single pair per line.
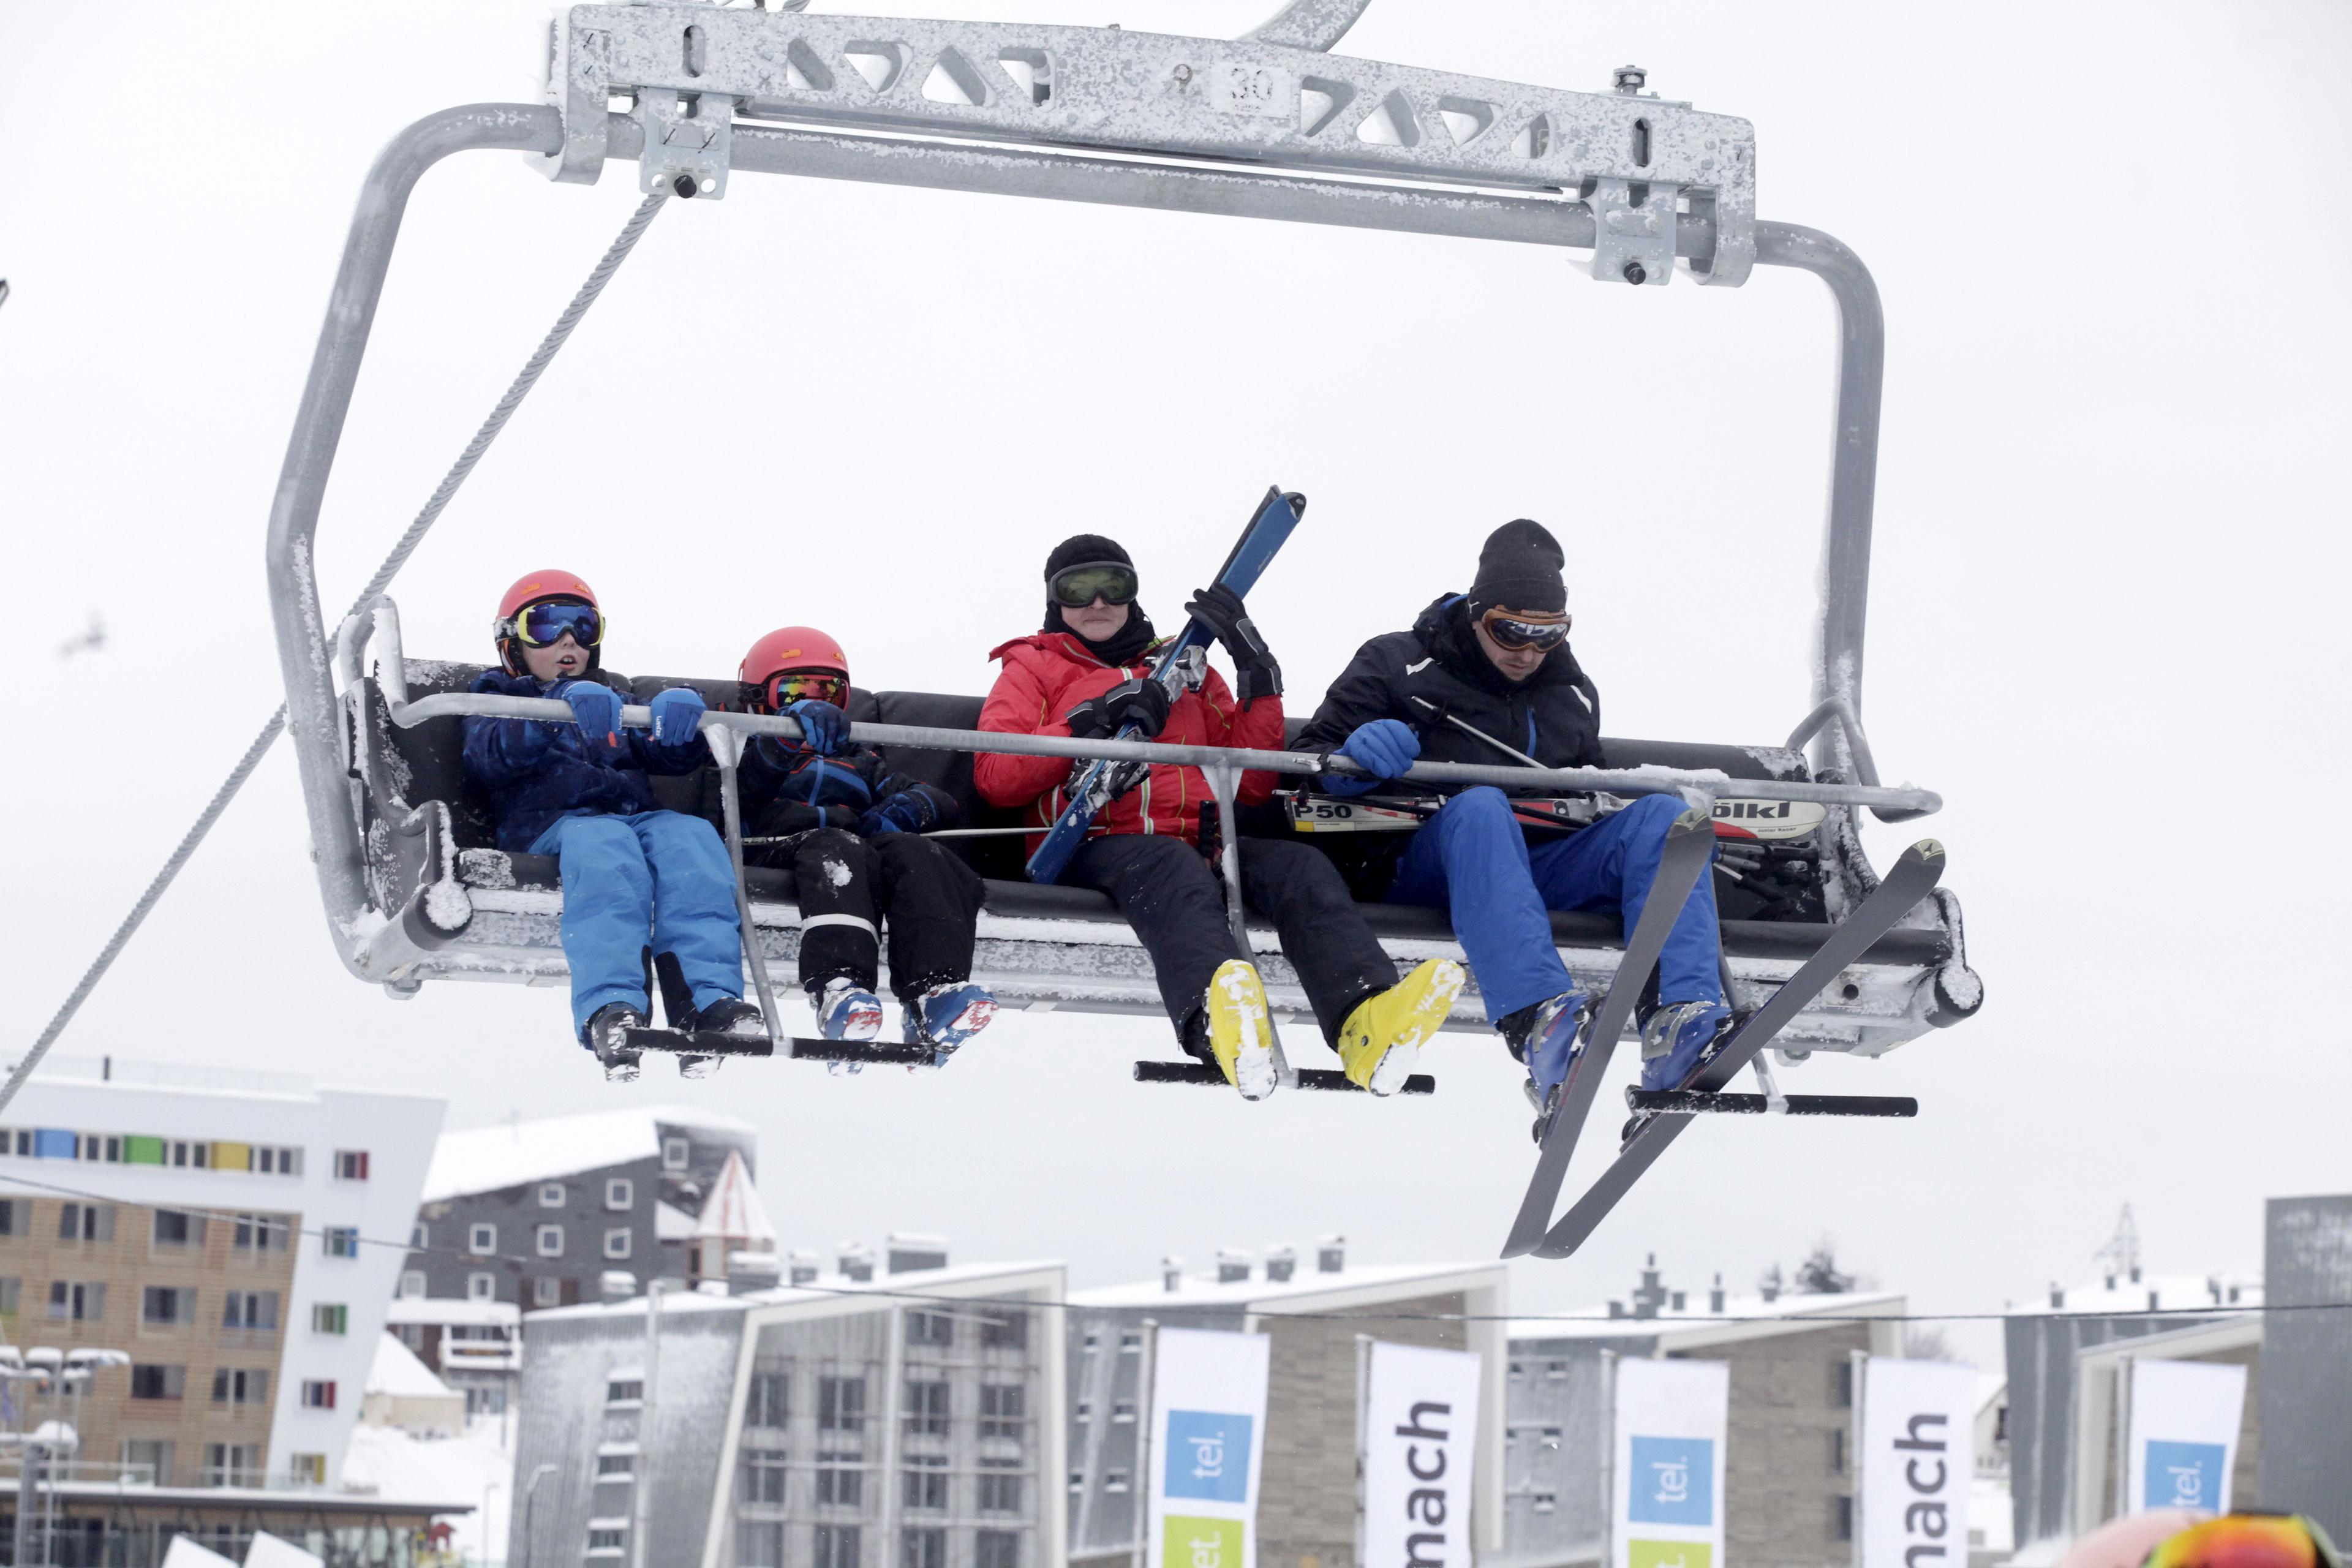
538,770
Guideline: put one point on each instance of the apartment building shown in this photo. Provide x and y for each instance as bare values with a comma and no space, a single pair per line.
237,1235
533,1214
1788,1483
836,1421
1306,1509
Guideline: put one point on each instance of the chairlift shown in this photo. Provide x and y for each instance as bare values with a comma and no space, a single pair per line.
1269,125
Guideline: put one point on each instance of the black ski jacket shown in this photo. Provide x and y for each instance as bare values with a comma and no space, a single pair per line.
1553,717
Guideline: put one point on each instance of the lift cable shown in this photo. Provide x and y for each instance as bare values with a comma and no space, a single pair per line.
631,232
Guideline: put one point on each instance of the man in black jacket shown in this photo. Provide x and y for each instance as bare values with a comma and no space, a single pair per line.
1496,659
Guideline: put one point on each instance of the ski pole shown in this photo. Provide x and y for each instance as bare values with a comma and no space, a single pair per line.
1435,711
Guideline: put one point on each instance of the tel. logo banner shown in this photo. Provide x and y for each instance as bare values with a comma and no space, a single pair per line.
1673,1483
1200,1542
1208,1457
2185,1475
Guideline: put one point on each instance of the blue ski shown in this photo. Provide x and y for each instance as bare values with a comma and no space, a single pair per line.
1104,781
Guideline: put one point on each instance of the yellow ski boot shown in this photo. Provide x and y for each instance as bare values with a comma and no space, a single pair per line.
1241,1030
1379,1044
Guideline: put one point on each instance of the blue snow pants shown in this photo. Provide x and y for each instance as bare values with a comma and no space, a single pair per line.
651,878
1476,845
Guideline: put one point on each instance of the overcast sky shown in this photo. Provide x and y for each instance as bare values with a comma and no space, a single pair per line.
2107,614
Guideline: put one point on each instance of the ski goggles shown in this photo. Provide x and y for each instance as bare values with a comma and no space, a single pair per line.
1514,630
1074,587
539,626
805,685
2247,1541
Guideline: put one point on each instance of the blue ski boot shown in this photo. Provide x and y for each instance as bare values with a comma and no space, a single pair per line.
947,1015
1677,1041
1547,1045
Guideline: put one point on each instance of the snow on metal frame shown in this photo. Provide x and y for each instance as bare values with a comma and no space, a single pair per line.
1247,100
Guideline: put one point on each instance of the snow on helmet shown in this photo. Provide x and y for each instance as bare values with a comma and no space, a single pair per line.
534,588
794,650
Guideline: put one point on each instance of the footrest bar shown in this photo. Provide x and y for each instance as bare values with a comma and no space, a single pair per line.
1201,1075
1695,1102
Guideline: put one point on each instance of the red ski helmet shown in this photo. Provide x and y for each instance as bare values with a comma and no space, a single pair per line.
536,588
789,650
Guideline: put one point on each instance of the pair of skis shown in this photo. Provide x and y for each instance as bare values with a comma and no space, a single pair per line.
1662,1116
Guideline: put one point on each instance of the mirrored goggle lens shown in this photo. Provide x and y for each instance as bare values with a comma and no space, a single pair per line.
1511,632
545,624
2240,1540
786,689
1082,585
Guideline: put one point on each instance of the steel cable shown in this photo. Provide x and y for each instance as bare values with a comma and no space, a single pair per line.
525,379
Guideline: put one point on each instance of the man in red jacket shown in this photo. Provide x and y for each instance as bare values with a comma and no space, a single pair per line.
1087,673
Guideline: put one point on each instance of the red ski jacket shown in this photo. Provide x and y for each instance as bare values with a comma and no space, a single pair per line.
1047,674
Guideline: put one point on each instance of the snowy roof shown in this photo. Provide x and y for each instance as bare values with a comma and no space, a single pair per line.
2150,1292
893,1290
452,1309
398,1373
733,1211
1594,1324
672,1223
1261,1293
489,1159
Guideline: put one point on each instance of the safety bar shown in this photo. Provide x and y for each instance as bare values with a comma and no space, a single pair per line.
1708,782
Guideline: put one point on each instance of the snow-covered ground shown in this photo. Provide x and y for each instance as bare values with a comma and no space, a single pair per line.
453,1469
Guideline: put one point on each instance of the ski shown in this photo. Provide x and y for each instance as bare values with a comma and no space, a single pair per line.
1104,781
1696,1102
798,1049
1203,1075
1913,878
1689,842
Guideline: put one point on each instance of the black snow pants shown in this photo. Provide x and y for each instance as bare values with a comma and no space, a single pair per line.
1176,903
850,888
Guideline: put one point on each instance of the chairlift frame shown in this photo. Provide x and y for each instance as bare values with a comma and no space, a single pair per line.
1269,125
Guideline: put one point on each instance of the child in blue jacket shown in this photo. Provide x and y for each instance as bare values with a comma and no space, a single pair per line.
637,879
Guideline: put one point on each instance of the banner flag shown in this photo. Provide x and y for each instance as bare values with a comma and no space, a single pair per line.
2183,1443
1915,1463
1420,1438
1665,1480
1208,1442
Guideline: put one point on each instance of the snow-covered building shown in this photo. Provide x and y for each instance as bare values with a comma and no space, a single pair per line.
235,1233
474,1347
1788,1485
1308,1490
733,1220
533,1214
841,1421
403,1392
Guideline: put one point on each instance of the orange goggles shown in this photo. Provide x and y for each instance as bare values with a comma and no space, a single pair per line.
1514,629
2247,1541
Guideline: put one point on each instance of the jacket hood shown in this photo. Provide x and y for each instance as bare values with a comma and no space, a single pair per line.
1066,645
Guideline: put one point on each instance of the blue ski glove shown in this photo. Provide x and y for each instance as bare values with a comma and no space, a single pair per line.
824,729
907,812
1384,746
596,709
677,714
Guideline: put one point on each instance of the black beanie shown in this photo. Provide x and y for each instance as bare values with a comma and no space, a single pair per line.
1080,547
1519,569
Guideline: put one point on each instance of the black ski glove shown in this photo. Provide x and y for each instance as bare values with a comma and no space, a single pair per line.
1140,702
786,816
1255,674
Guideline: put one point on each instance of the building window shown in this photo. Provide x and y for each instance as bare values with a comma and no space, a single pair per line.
923,1548
620,1193
1002,1407
616,1245
319,1394
624,1391
676,1153
481,1286
412,1284
1004,1331
995,1549
621,1466
841,1404
12,1216
765,1478
549,1240
150,1454
1122,1409
249,1309
272,1162
86,1222
547,1291
11,1291
481,1240
419,1239
999,1493
351,1165
308,1470
1841,1519
1115,1481
924,1482
232,1464
932,1329
152,1382
167,1305
71,1300
340,1241
262,1233
550,1194
835,1546
927,1409
240,1386
174,1227
838,1483
1086,1411
1077,1480
1547,1502
329,1318
1555,1369
607,1541
1842,1388
1130,1343
770,1401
